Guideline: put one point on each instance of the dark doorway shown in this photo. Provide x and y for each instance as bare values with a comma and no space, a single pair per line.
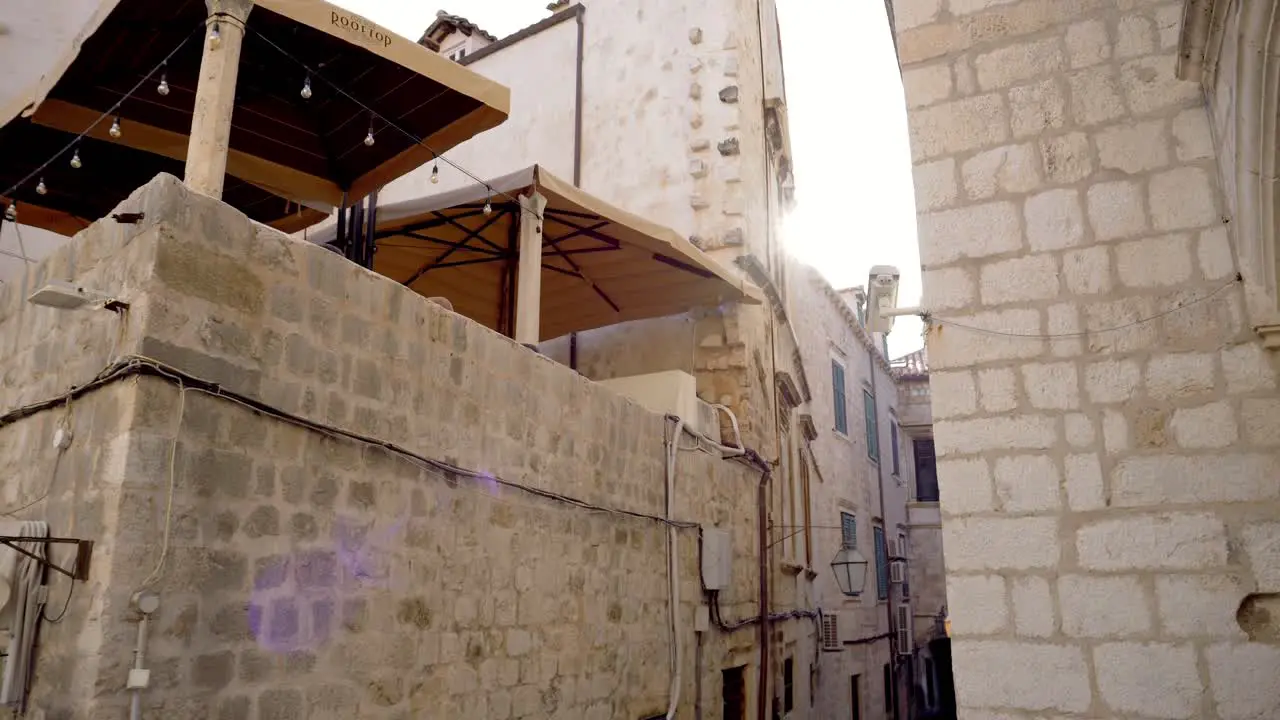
735,693
926,470
855,697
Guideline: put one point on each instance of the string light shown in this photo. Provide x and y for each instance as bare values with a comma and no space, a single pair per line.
435,172
115,128
162,88
75,159
215,37
41,188
11,212
368,139
306,88
374,114
488,206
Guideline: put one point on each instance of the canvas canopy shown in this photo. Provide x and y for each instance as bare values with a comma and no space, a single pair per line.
291,159
600,264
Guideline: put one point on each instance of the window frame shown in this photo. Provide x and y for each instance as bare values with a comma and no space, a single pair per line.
882,562
871,417
848,530
895,437
840,397
788,685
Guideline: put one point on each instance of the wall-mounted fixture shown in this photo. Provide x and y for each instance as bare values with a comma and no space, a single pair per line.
64,295
850,568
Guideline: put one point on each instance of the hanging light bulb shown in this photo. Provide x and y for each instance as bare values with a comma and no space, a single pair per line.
163,87
215,37
306,89
75,159
488,207
368,139
41,188
11,212
115,128
435,172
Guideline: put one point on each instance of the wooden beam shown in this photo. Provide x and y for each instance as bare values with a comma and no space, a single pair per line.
272,177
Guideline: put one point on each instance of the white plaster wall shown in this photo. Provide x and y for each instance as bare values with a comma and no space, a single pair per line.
539,70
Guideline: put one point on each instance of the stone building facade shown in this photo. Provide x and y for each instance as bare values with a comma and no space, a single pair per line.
1104,409
304,573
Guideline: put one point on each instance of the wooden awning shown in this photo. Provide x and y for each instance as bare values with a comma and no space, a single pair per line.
291,159
601,265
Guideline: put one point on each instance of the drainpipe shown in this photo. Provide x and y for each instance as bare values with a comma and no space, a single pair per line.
888,609
577,149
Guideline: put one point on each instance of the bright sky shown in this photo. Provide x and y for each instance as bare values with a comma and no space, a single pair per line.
855,203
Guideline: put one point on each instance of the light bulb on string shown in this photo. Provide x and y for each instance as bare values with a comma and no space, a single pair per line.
41,188
306,88
75,159
215,37
488,205
163,87
368,139
115,128
11,212
435,172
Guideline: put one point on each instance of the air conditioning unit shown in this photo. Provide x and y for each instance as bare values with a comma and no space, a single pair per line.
897,572
902,629
831,632
671,393
898,568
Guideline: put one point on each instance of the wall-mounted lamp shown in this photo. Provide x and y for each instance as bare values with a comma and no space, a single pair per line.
63,295
850,568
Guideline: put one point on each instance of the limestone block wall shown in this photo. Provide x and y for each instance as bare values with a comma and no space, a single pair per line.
309,576
1107,458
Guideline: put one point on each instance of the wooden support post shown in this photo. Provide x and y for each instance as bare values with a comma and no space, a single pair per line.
216,97
529,289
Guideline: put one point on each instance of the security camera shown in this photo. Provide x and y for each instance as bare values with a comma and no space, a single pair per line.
882,296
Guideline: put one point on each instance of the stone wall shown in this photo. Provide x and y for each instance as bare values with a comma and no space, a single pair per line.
310,576
1107,457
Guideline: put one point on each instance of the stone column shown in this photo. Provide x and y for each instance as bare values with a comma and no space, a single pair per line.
529,287
216,97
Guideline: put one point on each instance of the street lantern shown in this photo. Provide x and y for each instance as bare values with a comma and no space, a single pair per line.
850,568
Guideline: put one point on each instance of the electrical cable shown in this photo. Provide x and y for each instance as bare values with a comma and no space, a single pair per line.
54,621
390,123
1053,336
107,113
158,571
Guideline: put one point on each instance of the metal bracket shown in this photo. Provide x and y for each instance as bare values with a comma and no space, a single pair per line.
84,553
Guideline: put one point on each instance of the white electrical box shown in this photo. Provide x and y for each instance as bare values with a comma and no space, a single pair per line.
717,558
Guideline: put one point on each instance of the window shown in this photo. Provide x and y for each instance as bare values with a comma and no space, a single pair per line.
855,697
848,530
788,685
882,565
888,688
457,56
873,437
734,693
926,470
893,438
808,518
837,389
